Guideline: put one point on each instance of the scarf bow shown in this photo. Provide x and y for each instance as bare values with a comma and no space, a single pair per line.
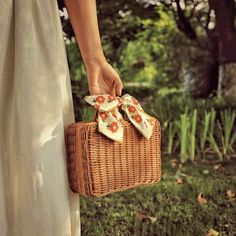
109,118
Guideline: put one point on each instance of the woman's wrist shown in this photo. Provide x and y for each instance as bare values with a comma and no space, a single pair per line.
92,61
93,65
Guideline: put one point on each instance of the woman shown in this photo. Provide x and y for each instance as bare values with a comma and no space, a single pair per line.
36,107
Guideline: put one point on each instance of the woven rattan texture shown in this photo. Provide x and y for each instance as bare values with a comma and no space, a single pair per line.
98,166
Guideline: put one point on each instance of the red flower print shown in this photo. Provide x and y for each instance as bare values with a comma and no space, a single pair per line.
114,126
100,99
138,118
110,97
131,108
103,115
97,106
114,115
135,101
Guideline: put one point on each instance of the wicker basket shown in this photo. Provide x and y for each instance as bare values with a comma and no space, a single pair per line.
98,166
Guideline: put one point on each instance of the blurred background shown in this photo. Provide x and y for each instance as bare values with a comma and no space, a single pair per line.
178,58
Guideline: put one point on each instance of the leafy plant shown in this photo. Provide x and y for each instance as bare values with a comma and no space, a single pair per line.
222,137
228,136
207,127
171,131
212,120
215,146
204,131
186,129
192,135
183,125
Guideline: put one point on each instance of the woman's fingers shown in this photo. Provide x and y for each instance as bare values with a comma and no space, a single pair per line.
118,86
113,90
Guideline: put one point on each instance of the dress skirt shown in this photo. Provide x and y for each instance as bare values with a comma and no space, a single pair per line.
35,108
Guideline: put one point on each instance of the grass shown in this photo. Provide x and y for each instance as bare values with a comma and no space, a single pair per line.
173,203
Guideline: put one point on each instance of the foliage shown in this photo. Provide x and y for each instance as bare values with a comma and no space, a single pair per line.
207,125
168,103
228,136
149,57
221,137
224,137
171,134
194,128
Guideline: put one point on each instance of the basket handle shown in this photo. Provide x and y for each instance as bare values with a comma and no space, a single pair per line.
121,111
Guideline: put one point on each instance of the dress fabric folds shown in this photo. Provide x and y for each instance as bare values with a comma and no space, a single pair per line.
35,108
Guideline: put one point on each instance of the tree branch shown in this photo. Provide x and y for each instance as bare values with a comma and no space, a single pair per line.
183,23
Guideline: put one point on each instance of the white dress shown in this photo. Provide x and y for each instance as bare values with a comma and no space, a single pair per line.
35,107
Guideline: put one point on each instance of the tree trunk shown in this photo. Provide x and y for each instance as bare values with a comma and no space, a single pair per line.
227,80
225,17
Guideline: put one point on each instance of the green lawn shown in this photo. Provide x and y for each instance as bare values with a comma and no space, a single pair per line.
170,207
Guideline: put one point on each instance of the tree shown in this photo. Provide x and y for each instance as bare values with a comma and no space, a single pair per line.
225,11
220,30
195,20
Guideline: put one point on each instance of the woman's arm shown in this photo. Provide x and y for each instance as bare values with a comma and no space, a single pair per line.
102,78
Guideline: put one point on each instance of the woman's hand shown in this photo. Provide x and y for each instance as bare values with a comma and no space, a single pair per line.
103,79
